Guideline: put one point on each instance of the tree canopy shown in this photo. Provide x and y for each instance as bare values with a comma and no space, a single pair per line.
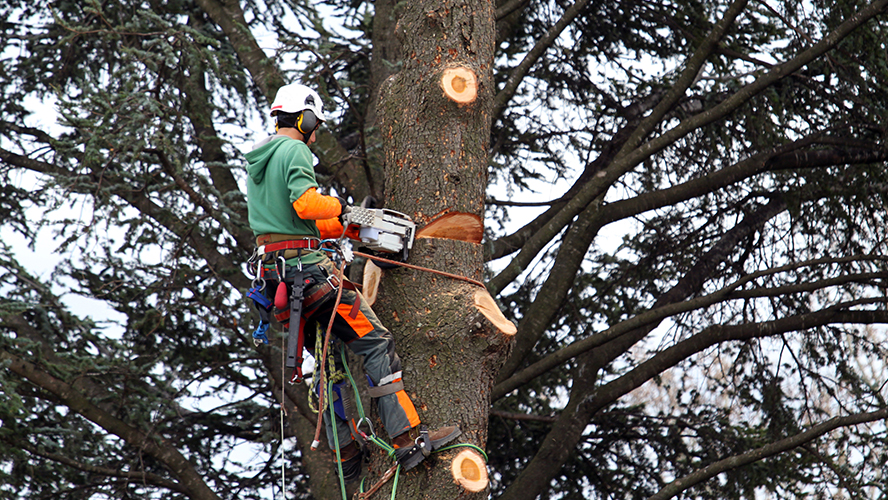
685,218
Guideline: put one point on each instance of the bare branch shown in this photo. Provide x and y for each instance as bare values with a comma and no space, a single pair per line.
607,176
154,445
534,55
679,485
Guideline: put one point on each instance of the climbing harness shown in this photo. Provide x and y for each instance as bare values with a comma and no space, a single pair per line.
290,301
297,244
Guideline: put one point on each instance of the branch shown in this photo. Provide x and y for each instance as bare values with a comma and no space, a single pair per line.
655,315
649,201
509,7
509,203
522,416
717,334
153,445
788,156
553,294
196,197
130,476
140,201
607,176
687,77
537,318
679,485
587,399
782,157
229,15
520,71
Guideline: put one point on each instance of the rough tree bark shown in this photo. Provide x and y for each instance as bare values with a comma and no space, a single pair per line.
436,153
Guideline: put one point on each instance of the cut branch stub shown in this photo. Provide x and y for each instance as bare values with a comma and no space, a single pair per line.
460,85
454,226
488,307
372,275
469,471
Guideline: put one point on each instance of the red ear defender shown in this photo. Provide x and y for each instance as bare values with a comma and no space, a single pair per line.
280,296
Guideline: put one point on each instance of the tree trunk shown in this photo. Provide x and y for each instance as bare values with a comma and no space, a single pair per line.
436,152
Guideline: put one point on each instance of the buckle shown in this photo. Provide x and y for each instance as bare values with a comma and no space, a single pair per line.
333,281
423,442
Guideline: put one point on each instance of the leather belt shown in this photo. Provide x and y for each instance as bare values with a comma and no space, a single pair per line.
316,297
330,284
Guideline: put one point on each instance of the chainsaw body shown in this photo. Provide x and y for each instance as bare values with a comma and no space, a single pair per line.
383,230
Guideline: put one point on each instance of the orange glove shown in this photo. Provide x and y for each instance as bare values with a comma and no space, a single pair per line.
332,228
315,206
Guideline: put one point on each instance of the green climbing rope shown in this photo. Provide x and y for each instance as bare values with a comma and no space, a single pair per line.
336,444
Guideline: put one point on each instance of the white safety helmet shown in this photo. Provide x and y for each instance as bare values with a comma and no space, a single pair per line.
296,97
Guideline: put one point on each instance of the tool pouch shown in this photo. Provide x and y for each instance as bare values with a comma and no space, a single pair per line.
341,398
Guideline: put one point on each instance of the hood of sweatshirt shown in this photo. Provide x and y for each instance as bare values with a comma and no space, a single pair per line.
262,152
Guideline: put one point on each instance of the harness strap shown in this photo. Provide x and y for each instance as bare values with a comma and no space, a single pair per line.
300,244
384,390
390,378
296,338
321,291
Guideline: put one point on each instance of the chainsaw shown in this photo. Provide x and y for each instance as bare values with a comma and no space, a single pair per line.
382,230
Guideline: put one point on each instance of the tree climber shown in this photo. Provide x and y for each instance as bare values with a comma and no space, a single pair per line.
289,217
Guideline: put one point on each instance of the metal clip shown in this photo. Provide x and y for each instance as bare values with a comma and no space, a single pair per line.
258,283
280,266
329,281
423,442
369,426
258,280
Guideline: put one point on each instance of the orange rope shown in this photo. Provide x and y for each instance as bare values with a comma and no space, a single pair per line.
322,385
420,268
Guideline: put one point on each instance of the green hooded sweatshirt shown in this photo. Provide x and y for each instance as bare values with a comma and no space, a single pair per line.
280,171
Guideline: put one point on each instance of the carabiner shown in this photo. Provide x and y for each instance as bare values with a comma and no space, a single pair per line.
258,281
369,426
280,265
